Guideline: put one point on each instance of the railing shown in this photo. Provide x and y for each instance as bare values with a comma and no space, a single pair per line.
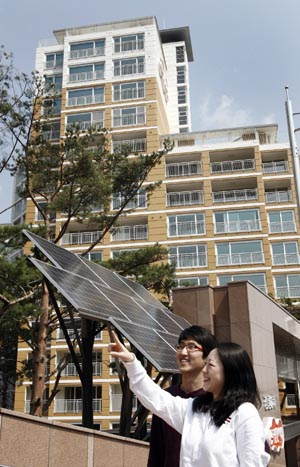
89,52
131,119
238,226
183,169
86,76
79,238
51,134
189,260
232,166
278,196
139,201
285,258
70,369
275,167
133,145
74,405
291,400
51,64
184,198
129,45
284,226
288,292
116,402
129,69
240,258
133,232
125,94
84,100
186,228
235,195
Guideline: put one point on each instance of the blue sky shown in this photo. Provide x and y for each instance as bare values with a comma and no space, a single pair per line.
245,52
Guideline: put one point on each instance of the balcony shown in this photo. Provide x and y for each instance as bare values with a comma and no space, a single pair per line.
70,369
139,201
238,226
85,53
232,166
185,198
129,69
126,46
186,228
240,258
86,76
74,405
85,100
235,195
275,167
282,227
132,232
131,145
278,196
79,238
285,259
130,119
87,125
183,169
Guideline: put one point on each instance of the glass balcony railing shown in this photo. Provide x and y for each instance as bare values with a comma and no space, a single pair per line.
288,292
182,169
79,238
74,405
235,195
240,258
130,119
70,369
133,145
238,226
284,226
133,232
186,228
189,260
275,167
85,53
116,402
85,100
278,196
86,76
287,258
184,198
232,166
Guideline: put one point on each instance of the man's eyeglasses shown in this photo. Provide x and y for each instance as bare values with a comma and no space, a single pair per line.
189,347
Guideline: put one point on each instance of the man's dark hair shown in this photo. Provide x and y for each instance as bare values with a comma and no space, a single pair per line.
239,384
201,335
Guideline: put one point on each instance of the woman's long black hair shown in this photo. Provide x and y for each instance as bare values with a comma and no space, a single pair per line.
239,385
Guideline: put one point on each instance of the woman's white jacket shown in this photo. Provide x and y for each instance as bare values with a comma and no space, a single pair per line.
239,442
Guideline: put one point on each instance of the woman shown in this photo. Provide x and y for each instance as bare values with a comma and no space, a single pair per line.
220,429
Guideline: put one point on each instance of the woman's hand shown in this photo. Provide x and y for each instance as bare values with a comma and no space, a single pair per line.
118,350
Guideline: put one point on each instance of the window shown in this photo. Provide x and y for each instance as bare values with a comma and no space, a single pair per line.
180,54
51,106
128,43
51,130
86,73
239,253
94,256
181,91
281,221
188,281
183,115
237,221
188,256
129,116
186,224
54,81
43,207
86,96
54,60
129,66
86,120
128,91
180,74
285,253
287,285
87,49
257,279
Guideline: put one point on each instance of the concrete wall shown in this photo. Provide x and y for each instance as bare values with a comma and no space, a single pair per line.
27,441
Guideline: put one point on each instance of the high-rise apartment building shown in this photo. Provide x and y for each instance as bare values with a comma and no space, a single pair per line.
226,209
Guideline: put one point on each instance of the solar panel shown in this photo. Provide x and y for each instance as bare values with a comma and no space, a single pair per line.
102,295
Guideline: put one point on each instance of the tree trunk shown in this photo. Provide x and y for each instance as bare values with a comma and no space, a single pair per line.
126,409
39,358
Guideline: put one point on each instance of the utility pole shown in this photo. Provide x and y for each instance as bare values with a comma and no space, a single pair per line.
293,143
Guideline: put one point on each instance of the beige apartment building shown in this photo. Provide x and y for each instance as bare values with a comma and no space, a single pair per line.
226,209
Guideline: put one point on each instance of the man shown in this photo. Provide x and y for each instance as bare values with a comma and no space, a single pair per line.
194,344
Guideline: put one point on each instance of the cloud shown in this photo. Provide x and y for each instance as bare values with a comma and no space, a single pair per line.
227,114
